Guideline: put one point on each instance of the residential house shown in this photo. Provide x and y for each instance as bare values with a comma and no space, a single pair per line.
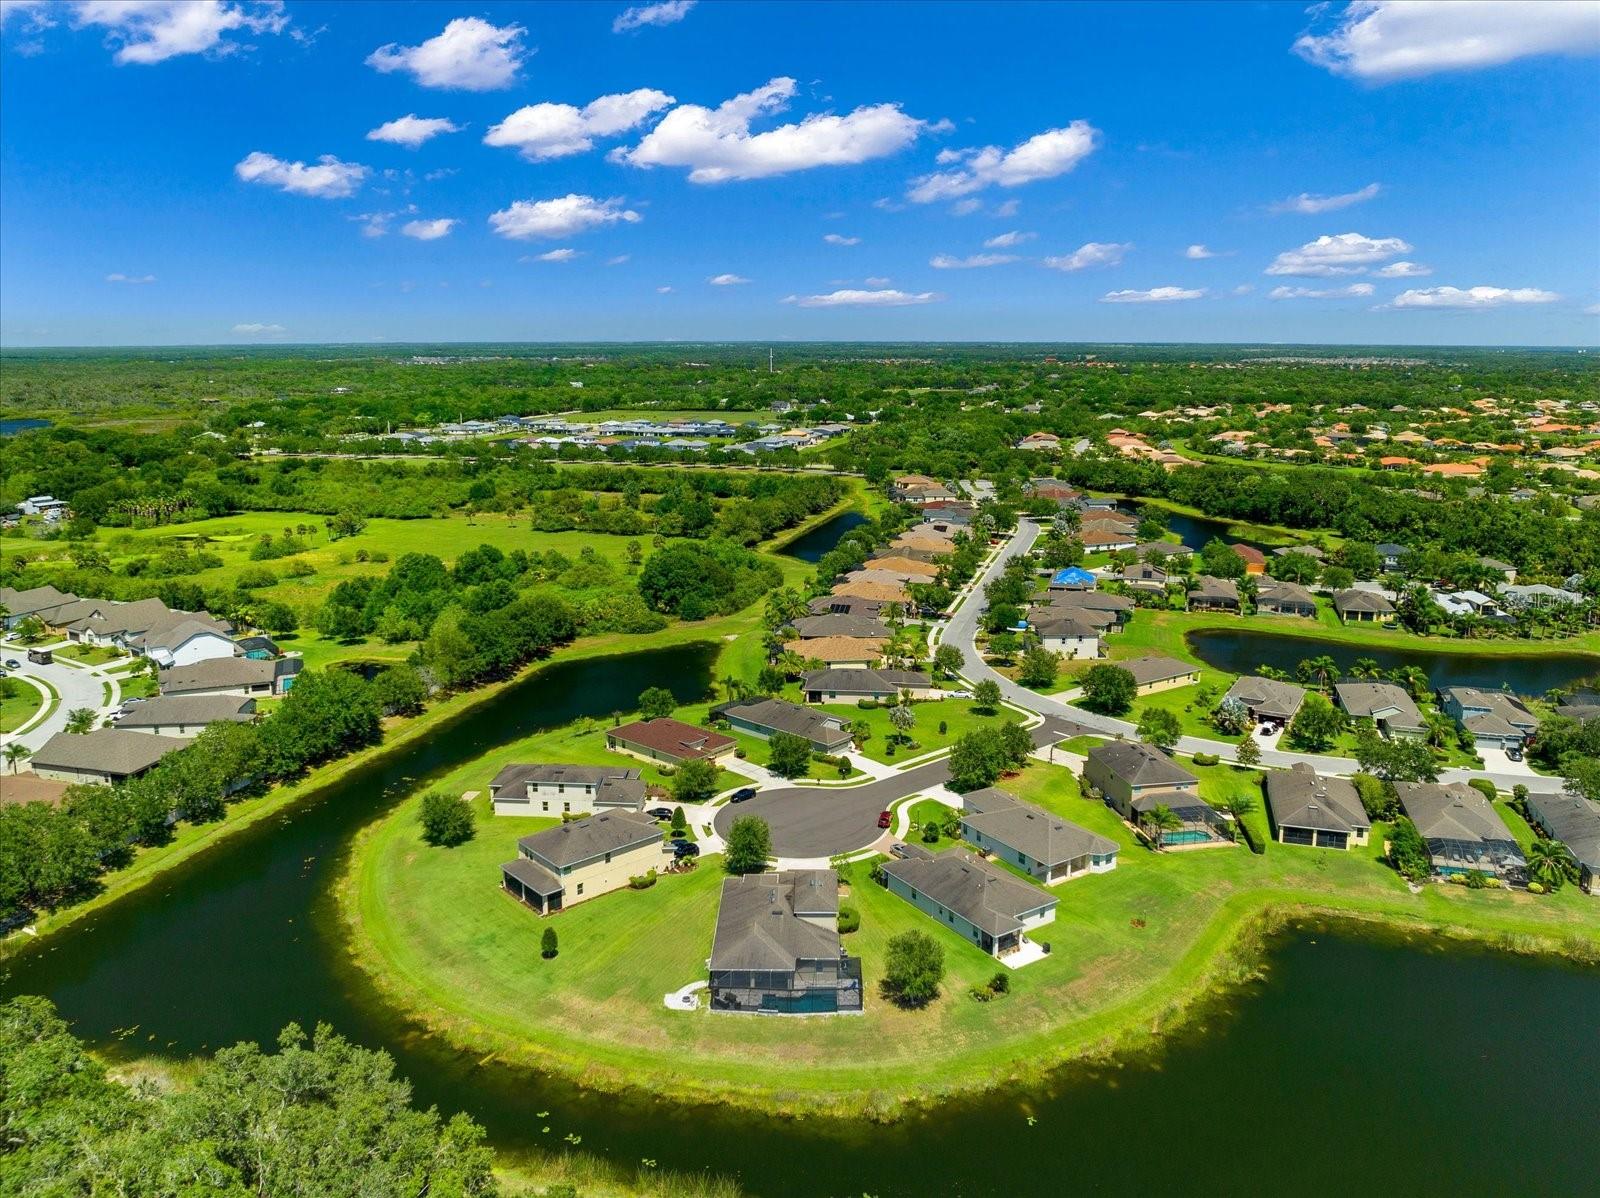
952,514
1073,602
765,718
1309,809
1575,822
1151,580
1285,599
1506,569
105,755
582,859
1310,551
186,716
1047,442
845,605
1152,551
1389,555
1153,674
1539,595
38,602
669,740
909,569
1107,539
1385,704
231,676
852,686
893,578
883,592
1357,606
1494,719
840,652
975,900
1072,637
777,949
811,628
1462,831
1214,594
1255,562
1267,698
1072,578
47,507
1044,846
561,790
1469,603
1136,778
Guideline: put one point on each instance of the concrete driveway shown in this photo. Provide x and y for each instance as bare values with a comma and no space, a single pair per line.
78,686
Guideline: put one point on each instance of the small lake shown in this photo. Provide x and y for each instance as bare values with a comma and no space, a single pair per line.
1196,532
1244,651
821,539
9,428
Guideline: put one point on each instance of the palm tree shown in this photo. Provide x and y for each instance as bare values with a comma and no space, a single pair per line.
904,719
1414,680
1365,668
15,754
1550,863
1160,820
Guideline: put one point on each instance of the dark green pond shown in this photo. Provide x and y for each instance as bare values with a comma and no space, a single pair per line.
1244,651
1196,532
1375,1061
822,538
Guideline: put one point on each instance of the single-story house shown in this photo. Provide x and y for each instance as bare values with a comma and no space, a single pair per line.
1505,569
906,567
186,716
1575,822
851,686
669,740
1310,551
1285,599
1356,605
1539,595
1267,698
1071,637
1495,719
1309,809
1389,555
1048,848
1255,562
582,859
1072,578
777,950
845,605
1097,621
1579,709
1153,674
883,592
812,628
765,718
1107,538
557,790
1122,770
1152,551
105,755
1072,602
1385,704
1045,441
1214,594
231,676
975,900
1144,577
840,652
1462,831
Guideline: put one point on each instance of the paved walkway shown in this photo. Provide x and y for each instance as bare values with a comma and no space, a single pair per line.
962,628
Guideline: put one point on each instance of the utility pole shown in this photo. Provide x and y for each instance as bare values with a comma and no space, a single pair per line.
770,370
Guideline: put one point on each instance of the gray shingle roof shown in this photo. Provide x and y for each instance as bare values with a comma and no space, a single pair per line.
585,839
1140,764
1300,798
1007,820
534,876
105,750
812,627
780,716
759,924
189,710
218,672
1356,599
1574,821
975,890
877,682
1156,669
1268,696
1364,698
1451,811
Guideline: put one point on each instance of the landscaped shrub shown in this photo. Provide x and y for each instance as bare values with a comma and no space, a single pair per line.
849,919
1251,837
1000,983
1484,787
446,820
930,832
549,946
1206,759
869,704
982,993
643,881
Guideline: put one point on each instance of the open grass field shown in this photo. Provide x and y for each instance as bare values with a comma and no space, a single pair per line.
18,708
959,716
1130,949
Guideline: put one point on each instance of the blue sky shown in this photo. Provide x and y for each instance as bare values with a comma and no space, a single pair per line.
183,171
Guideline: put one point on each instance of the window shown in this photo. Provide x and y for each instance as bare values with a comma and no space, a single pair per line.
580,887
545,806
608,858
567,806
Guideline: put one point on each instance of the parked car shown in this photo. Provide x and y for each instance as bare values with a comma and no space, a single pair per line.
133,701
660,813
13,664
885,819
897,849
742,796
685,848
1513,754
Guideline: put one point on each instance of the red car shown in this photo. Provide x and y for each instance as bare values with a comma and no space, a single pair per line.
885,819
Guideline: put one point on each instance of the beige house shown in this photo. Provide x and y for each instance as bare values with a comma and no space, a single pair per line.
1153,674
186,716
579,860
105,755
668,740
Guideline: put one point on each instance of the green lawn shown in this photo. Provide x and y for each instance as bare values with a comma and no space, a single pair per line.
759,752
1130,947
924,810
959,717
90,655
16,710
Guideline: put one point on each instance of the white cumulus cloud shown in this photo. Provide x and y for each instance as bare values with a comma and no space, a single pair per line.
469,55
849,298
1093,253
727,280
717,144
1379,41
877,280
1042,156
543,131
1197,252
152,31
1338,254
412,130
119,277
1154,295
256,329
1351,292
970,262
1472,297
562,217
618,259
840,239
665,290
327,178
1403,270
1005,241
566,254
669,12
428,230
1307,204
